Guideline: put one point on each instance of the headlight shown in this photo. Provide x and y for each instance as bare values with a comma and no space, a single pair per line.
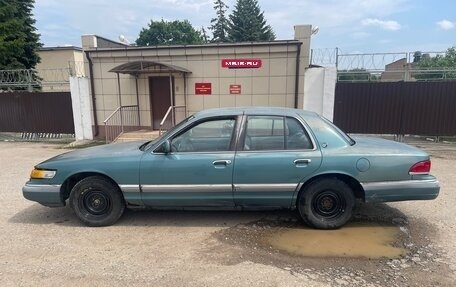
42,174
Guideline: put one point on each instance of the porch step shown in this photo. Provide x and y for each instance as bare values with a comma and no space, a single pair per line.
138,135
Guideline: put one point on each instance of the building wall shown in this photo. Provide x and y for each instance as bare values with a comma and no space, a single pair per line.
320,90
273,84
395,71
56,66
55,59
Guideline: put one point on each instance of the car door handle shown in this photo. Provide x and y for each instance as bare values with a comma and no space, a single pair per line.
221,162
302,161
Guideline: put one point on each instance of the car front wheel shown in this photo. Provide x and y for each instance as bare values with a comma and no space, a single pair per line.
96,201
326,203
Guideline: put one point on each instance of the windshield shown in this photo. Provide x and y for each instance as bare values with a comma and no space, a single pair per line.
148,144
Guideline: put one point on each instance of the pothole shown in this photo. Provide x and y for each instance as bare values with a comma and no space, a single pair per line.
372,250
355,240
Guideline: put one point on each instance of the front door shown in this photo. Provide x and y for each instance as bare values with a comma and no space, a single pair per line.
198,172
160,98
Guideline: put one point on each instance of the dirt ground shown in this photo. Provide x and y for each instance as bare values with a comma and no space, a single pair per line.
45,246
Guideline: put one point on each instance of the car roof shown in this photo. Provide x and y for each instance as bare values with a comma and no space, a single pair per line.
253,110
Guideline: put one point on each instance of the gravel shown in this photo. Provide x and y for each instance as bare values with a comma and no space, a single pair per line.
44,246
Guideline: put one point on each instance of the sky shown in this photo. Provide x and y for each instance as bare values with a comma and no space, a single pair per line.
354,26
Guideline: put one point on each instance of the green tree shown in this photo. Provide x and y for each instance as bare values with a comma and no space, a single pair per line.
169,33
440,66
356,75
220,24
247,23
19,41
204,35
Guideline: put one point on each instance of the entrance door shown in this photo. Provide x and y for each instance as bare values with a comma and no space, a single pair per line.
160,98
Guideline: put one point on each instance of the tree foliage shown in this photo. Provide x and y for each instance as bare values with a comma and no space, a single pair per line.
247,23
356,75
19,41
220,24
439,67
169,33
204,35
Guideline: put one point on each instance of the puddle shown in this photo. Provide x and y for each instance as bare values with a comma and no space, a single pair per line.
355,240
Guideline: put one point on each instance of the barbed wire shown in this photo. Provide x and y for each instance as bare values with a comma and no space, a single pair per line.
368,61
20,77
58,78
328,57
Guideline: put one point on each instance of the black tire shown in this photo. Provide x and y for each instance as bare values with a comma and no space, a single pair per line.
326,203
96,201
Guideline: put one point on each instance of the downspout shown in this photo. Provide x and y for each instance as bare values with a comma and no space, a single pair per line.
298,58
171,94
137,98
92,88
185,94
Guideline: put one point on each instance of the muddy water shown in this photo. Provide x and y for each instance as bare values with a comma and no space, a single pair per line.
353,240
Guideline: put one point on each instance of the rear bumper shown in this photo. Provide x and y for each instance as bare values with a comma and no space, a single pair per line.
45,194
401,190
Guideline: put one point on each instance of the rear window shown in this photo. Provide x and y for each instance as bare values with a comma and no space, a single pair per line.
339,131
326,132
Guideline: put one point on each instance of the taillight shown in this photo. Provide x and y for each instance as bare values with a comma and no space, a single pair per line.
422,167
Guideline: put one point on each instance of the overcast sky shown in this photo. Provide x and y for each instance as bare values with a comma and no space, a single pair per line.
352,25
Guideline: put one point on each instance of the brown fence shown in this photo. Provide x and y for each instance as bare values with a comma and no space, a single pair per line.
419,108
36,112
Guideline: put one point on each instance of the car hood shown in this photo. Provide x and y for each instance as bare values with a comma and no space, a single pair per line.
103,151
378,146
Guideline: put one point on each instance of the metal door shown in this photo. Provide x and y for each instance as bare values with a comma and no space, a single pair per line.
160,98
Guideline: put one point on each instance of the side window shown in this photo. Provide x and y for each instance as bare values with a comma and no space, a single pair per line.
265,133
275,133
208,136
297,137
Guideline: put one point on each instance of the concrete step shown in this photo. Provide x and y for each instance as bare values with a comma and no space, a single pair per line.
138,135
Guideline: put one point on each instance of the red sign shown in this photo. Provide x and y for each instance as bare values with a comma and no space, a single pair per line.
235,89
203,88
241,63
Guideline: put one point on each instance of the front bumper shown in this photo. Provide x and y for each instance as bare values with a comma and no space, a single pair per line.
45,194
386,191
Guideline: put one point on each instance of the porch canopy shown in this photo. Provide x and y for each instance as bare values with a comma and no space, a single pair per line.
137,68
143,67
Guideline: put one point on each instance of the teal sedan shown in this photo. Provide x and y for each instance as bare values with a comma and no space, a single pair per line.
237,158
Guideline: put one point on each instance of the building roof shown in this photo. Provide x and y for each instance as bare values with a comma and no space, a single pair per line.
210,45
141,67
60,48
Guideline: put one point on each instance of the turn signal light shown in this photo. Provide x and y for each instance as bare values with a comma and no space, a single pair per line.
42,174
422,167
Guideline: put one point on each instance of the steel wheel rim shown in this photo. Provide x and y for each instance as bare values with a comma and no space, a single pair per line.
96,202
328,204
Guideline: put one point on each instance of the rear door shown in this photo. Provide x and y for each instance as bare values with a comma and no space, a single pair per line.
275,154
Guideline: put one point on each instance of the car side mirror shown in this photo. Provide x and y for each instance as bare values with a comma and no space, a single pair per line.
166,147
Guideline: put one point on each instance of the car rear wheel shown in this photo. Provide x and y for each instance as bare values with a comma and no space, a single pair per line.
326,203
96,201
